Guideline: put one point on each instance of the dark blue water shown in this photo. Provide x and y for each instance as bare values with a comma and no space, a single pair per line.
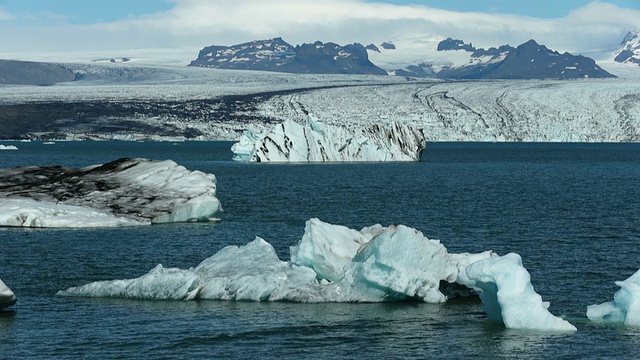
570,210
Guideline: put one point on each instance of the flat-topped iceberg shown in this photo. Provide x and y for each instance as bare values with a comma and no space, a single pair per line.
333,263
625,307
7,297
124,192
317,142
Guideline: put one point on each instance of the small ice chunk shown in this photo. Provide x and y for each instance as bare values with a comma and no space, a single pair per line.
625,307
7,297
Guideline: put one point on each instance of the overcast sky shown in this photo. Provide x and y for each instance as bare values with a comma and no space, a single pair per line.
41,26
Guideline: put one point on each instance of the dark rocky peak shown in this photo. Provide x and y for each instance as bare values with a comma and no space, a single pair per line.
277,55
454,44
631,36
372,47
629,51
493,52
388,45
532,50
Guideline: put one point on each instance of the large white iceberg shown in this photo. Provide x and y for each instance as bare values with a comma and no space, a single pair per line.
508,296
333,263
8,147
317,142
7,297
625,307
124,192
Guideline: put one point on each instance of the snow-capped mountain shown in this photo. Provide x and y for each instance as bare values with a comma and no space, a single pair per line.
629,51
452,58
277,55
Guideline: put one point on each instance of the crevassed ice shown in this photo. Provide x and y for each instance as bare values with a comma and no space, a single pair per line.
317,142
625,307
332,263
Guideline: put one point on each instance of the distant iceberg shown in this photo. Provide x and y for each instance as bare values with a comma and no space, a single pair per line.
7,297
332,263
8,147
625,307
125,192
317,142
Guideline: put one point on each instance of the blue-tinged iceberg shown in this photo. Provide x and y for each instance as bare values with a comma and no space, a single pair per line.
7,297
124,192
317,142
8,147
625,307
332,263
508,296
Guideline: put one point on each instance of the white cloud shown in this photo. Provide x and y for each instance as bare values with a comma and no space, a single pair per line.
5,15
198,23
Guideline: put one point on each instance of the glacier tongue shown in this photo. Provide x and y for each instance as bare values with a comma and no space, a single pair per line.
7,297
317,142
333,263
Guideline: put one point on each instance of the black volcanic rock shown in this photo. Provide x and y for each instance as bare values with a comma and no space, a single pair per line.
277,55
33,73
454,44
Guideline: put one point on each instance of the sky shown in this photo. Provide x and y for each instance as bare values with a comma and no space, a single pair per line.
39,27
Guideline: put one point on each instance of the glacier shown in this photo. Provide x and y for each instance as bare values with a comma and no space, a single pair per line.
625,307
124,192
318,142
7,297
333,263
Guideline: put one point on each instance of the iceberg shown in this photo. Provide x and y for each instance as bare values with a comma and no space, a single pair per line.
124,192
508,296
317,142
7,297
8,147
625,307
332,263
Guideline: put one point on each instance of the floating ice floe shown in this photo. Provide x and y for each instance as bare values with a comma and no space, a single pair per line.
317,142
8,147
124,192
508,296
625,307
7,297
332,263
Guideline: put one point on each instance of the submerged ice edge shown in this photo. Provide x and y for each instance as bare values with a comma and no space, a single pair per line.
332,263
